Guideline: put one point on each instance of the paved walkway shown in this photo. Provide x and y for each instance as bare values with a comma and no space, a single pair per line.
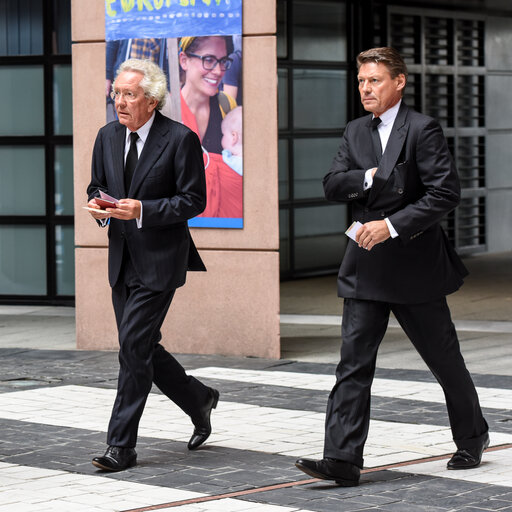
55,403
54,408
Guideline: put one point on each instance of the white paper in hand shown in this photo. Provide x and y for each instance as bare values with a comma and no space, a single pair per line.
353,229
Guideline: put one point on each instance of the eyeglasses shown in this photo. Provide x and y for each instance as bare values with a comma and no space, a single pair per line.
210,61
128,95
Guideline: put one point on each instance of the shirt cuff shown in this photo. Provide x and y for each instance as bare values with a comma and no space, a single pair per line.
368,179
139,220
392,230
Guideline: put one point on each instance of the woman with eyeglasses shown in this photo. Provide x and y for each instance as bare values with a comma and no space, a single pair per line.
203,62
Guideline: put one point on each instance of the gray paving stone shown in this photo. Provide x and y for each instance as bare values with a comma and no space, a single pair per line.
408,507
471,509
216,470
496,504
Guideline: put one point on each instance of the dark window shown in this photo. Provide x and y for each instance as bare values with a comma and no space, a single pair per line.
313,78
36,156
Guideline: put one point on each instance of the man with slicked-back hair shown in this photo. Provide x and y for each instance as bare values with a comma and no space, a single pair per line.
394,168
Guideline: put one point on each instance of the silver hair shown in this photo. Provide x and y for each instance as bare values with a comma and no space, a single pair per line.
153,83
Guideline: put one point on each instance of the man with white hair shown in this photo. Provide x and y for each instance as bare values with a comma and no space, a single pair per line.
155,165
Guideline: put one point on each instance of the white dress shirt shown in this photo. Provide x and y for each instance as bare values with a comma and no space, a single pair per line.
143,133
384,129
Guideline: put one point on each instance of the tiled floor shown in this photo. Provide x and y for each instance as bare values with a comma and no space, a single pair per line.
34,489
270,413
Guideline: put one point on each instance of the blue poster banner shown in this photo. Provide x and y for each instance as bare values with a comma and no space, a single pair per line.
127,19
198,46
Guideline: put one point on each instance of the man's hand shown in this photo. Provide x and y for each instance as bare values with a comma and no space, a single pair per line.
372,233
99,215
127,209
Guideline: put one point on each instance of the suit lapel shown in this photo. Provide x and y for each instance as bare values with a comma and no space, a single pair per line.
392,152
117,145
155,143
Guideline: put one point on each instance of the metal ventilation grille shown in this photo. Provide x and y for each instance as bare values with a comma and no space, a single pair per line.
439,98
439,41
465,227
446,60
405,37
471,223
412,93
471,100
470,42
378,27
471,162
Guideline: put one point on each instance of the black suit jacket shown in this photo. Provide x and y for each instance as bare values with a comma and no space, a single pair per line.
169,180
415,186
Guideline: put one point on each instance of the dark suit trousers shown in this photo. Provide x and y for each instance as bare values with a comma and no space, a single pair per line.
433,334
140,313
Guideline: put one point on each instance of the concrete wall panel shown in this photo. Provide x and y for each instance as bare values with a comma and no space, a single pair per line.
499,217
498,60
95,322
88,117
498,105
498,41
498,160
259,17
87,20
232,309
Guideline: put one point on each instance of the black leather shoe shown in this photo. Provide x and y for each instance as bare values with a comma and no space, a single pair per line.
343,473
202,425
467,458
116,458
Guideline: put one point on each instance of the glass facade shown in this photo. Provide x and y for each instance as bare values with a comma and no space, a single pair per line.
319,30
21,27
62,100
23,260
312,90
316,42
36,155
22,92
23,170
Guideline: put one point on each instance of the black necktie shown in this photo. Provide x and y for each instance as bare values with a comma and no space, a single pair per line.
131,161
377,146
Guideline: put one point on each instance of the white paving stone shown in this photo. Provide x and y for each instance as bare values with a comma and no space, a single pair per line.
73,492
287,432
495,469
236,425
492,398
28,494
